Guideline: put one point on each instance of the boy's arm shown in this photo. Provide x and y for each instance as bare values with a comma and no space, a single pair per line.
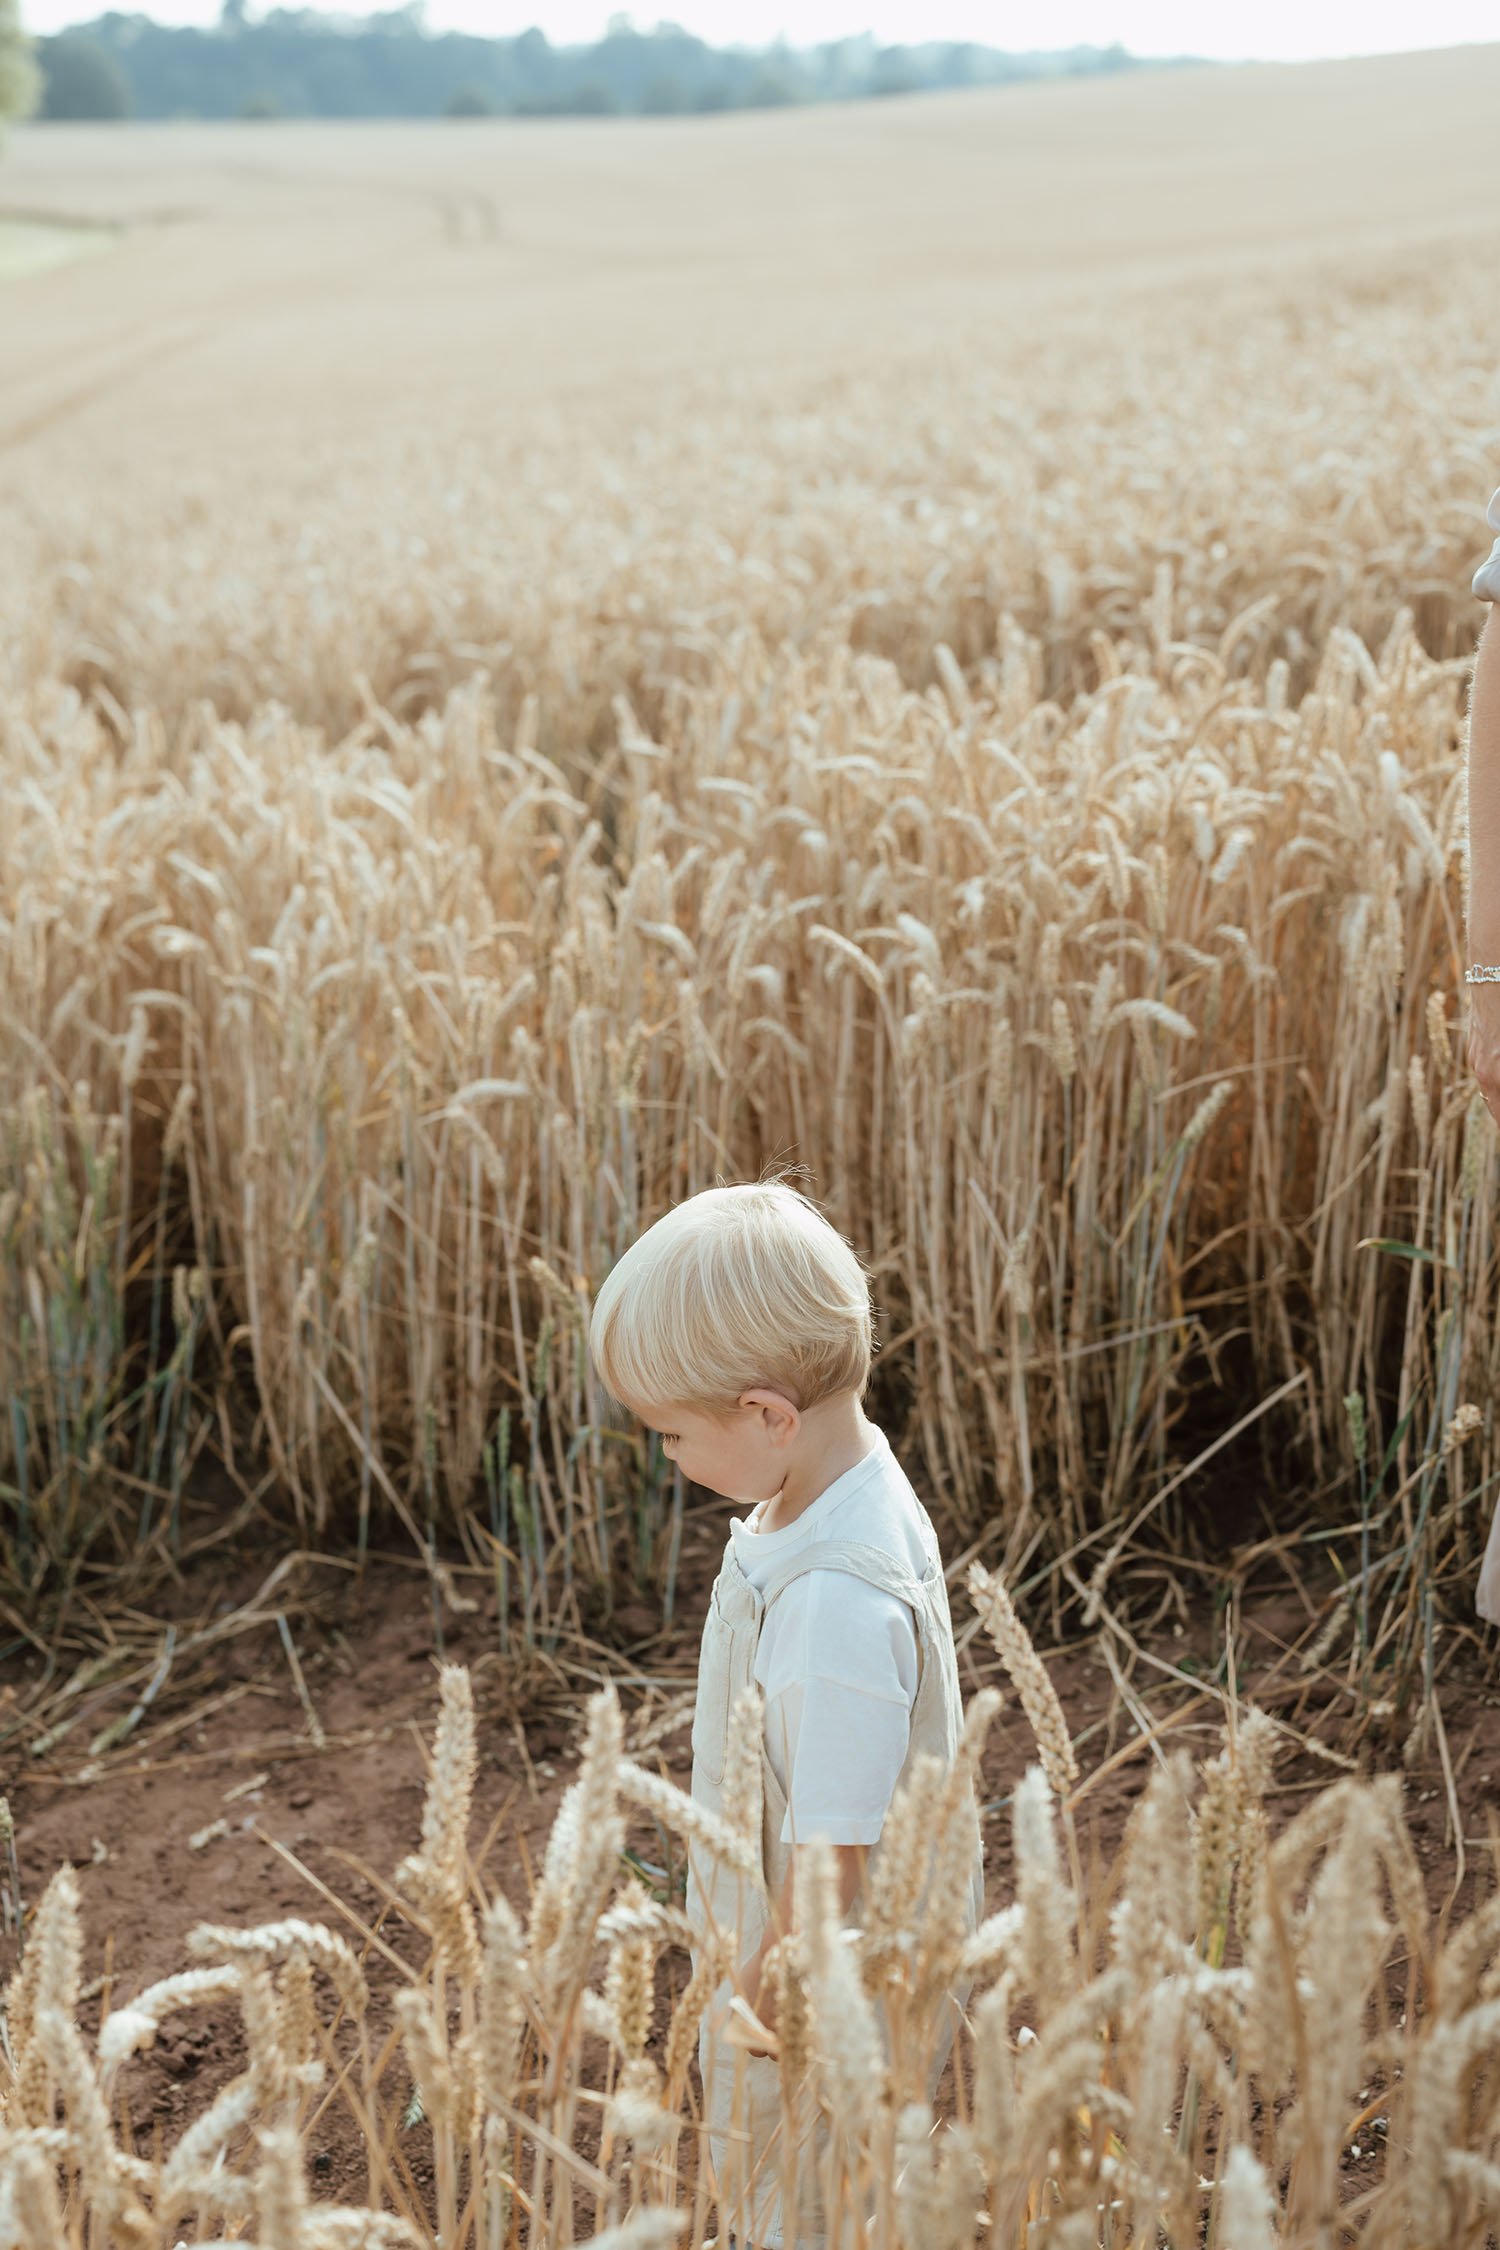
850,1859
1484,863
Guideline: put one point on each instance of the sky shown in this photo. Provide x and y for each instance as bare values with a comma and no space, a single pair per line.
1281,30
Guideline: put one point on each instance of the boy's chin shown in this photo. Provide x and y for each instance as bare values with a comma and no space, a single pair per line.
746,1499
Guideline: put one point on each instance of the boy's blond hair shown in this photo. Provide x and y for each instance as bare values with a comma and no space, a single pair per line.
736,1288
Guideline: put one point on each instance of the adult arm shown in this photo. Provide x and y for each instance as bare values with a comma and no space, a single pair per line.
1484,862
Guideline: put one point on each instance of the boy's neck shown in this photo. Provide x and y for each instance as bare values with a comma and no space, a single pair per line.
834,1437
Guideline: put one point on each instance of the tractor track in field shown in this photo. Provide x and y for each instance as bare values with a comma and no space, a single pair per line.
119,371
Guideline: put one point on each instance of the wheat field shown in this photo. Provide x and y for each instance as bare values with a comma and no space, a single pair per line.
542,666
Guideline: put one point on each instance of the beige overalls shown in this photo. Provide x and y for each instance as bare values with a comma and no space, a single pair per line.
742,2093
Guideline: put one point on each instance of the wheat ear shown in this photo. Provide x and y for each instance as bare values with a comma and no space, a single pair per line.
274,1941
437,1874
1245,2212
848,2038
1029,1674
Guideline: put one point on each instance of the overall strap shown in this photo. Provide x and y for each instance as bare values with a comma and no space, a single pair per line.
873,1564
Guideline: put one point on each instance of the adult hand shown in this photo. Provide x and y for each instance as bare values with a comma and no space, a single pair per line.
1484,1043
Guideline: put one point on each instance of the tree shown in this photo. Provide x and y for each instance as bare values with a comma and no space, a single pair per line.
20,80
591,97
316,59
770,88
81,79
469,101
663,96
893,73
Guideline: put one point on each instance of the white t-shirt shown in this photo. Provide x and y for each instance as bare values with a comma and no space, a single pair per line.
1487,576
837,1660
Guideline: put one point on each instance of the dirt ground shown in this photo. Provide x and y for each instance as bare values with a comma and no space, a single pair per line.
220,1805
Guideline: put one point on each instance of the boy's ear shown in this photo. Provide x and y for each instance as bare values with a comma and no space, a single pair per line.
777,1413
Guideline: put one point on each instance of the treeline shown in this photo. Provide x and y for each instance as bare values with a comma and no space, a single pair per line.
300,62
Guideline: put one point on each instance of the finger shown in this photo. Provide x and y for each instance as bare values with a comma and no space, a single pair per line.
746,2030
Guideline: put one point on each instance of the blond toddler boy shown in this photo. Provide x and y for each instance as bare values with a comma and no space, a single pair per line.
739,1326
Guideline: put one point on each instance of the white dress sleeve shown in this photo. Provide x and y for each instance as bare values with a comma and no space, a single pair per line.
1487,576
838,1667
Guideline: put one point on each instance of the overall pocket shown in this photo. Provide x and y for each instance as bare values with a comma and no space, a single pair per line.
715,1686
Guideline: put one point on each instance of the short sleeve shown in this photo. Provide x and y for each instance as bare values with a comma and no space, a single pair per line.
1487,577
850,1748
840,1677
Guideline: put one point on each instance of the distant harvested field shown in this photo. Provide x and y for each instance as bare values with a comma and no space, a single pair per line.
304,283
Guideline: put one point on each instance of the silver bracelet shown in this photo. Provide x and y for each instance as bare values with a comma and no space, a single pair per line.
1482,975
